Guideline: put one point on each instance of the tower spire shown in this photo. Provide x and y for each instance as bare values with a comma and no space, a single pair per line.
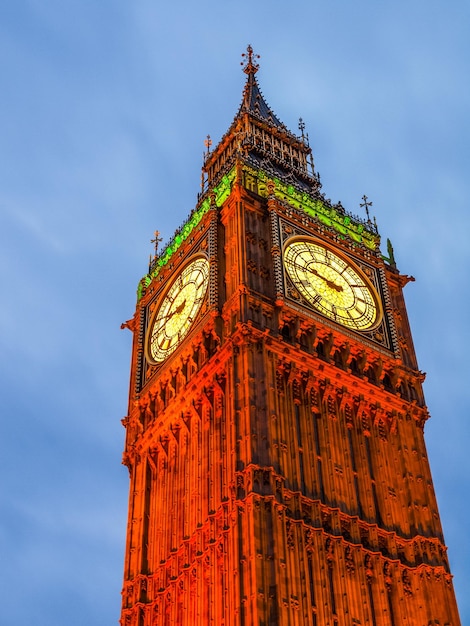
253,101
260,136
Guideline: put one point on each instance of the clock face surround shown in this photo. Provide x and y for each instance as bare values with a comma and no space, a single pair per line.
332,284
177,310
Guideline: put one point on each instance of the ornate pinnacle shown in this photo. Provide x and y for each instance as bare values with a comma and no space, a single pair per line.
208,143
391,255
303,134
250,65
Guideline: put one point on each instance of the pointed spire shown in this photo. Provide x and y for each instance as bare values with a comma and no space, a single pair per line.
253,100
259,137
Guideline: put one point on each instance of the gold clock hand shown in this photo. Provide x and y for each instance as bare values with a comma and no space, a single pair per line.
165,318
180,307
177,311
315,272
329,282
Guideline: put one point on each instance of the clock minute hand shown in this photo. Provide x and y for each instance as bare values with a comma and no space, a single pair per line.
329,282
162,322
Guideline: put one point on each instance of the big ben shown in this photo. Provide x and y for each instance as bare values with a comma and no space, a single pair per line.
275,429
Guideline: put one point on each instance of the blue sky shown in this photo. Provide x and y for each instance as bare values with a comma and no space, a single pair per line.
103,114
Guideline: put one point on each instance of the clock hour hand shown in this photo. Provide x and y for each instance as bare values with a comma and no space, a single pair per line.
165,318
312,270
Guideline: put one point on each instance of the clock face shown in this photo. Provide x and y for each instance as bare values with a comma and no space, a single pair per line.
332,285
178,309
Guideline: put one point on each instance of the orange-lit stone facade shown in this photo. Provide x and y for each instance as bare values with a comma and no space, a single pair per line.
278,470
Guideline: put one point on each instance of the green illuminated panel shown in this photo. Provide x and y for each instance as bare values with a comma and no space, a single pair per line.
315,208
221,193
345,225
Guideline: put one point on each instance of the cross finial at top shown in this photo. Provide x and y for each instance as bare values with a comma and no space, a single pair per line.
366,204
250,65
156,241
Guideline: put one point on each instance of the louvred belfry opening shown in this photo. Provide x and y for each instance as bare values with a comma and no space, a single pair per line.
274,436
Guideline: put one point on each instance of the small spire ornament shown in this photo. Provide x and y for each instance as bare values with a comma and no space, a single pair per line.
391,254
156,241
208,144
250,66
302,129
366,204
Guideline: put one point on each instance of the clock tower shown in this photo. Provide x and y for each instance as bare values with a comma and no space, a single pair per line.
274,436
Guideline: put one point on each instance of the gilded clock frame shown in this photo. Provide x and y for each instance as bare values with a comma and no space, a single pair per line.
194,311
301,294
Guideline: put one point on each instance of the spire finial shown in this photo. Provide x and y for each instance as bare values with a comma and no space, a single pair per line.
156,241
250,65
304,134
366,204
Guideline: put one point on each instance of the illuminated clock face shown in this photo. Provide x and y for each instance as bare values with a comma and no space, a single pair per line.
178,310
332,285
